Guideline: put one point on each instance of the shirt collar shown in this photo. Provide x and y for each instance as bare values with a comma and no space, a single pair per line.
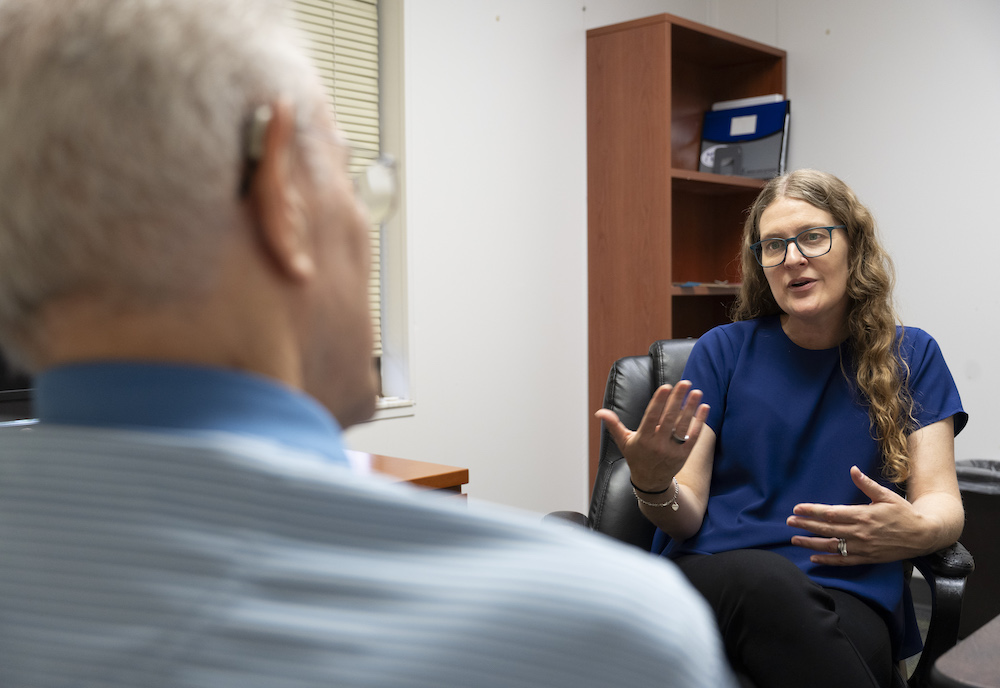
186,399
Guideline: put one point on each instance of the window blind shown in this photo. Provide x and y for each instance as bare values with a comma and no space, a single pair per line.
342,40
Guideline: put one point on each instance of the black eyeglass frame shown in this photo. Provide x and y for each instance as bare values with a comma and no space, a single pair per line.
757,248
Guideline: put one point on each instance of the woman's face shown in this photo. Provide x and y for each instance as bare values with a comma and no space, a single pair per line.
811,291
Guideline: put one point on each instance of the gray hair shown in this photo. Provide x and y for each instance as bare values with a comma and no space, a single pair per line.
122,130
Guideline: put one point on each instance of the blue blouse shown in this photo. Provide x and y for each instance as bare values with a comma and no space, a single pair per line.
789,426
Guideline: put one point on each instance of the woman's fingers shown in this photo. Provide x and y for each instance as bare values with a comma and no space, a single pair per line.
674,416
656,410
686,423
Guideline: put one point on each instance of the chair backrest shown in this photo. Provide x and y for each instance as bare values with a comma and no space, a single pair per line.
631,383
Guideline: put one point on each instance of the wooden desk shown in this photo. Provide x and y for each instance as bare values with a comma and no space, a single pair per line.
972,663
433,475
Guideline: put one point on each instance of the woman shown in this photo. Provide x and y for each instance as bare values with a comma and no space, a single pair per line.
780,497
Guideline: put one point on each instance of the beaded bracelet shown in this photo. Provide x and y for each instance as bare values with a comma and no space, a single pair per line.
673,500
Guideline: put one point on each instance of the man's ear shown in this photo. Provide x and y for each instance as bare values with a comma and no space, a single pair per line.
275,198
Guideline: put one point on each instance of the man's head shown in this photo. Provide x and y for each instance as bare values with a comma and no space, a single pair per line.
123,232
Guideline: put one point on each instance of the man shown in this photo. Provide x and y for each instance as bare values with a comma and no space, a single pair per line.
183,266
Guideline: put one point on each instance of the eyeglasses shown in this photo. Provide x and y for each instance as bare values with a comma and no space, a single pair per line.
376,186
811,243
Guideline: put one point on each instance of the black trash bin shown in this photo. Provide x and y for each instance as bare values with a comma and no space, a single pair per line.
979,481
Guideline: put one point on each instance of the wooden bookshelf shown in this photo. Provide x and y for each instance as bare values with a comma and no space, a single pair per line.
662,236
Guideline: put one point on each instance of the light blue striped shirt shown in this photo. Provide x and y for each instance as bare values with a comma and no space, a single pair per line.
221,558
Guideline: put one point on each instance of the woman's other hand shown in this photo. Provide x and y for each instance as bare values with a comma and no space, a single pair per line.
892,528
887,529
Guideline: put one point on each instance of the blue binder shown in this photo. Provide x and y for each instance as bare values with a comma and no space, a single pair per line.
748,141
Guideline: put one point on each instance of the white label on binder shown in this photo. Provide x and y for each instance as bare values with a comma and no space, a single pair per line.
741,126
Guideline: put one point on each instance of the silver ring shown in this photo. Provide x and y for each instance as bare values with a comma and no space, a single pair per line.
842,546
678,440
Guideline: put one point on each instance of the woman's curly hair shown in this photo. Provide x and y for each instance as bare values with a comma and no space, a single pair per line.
880,373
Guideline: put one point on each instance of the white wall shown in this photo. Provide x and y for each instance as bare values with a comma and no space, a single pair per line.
496,222
897,97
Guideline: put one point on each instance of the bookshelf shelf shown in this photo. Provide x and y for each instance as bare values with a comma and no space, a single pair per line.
703,290
692,181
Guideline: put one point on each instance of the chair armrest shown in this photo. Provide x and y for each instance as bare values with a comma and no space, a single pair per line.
952,562
946,572
570,516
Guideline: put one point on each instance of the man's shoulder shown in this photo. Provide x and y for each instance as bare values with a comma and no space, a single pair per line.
240,474
292,532
222,477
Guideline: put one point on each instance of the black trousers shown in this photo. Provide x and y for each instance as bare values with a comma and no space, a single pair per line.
782,629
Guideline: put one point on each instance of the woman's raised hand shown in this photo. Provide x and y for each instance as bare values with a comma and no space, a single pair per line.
669,428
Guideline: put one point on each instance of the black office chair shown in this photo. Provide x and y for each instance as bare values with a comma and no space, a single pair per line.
614,512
